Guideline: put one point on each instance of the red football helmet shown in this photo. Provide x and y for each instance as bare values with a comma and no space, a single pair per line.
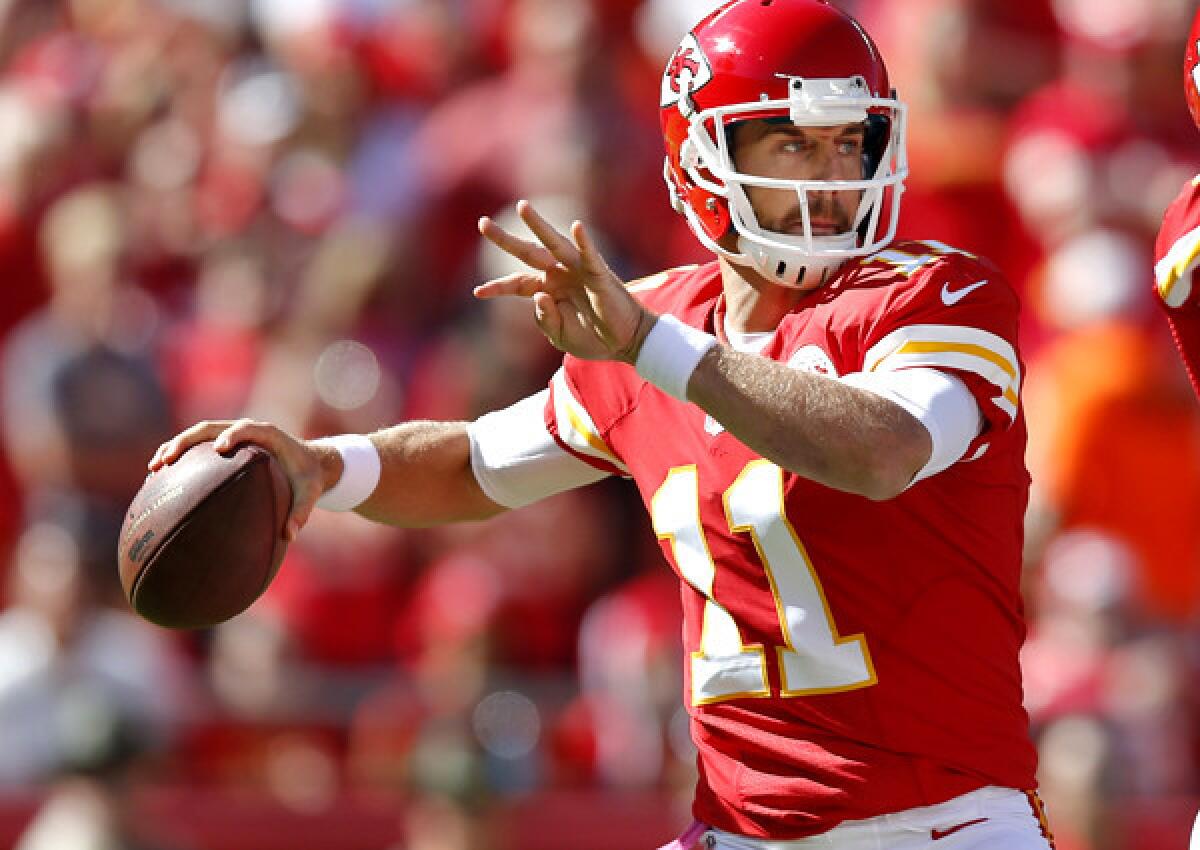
1191,70
804,61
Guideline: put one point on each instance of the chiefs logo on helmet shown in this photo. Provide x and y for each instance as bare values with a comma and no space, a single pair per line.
687,73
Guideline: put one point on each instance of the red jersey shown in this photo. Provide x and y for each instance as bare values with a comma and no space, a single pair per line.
845,658
1176,253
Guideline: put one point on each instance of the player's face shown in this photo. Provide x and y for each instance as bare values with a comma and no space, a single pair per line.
785,151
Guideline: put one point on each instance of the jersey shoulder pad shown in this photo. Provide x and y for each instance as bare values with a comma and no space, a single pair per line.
676,290
936,275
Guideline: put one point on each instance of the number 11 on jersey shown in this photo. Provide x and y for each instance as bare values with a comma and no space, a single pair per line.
814,659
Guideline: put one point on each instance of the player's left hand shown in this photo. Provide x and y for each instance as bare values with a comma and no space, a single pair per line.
580,305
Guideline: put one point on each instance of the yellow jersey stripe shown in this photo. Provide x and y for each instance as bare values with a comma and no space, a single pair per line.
960,348
581,428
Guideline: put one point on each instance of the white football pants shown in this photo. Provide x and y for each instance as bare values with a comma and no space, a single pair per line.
987,819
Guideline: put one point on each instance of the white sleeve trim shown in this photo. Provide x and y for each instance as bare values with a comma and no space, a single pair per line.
938,400
515,459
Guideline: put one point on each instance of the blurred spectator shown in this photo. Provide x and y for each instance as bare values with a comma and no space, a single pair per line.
961,65
1103,692
93,803
1108,388
212,356
1098,145
82,397
628,653
495,354
72,674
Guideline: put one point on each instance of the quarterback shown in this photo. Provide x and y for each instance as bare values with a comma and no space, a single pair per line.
825,426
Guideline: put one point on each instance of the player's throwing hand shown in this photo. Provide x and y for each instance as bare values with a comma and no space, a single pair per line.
580,305
301,461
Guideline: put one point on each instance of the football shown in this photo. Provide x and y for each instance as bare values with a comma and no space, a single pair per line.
204,536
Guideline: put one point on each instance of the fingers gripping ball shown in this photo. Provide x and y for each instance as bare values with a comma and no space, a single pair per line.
204,536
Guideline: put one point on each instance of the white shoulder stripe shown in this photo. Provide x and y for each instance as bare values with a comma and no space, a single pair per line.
952,347
575,426
1172,273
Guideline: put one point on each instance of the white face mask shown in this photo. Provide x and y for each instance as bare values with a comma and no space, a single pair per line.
804,260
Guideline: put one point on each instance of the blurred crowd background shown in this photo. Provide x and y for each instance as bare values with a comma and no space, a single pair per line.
216,208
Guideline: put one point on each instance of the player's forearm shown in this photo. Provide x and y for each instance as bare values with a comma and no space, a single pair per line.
426,477
837,435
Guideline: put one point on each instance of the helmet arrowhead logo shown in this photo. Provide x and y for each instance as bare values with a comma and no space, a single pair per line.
687,73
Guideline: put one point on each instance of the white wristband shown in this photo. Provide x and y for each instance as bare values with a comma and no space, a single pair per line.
361,467
670,354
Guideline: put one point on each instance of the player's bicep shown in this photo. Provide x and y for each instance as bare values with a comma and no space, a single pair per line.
940,401
517,461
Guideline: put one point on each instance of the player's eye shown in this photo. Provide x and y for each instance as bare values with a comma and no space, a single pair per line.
798,146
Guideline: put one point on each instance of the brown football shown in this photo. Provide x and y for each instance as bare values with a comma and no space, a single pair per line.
204,536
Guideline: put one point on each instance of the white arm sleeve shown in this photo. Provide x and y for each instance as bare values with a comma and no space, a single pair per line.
517,462
938,400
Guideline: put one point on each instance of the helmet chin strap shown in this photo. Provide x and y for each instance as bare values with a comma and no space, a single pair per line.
791,265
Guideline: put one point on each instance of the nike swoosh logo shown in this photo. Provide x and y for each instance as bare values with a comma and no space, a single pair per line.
952,297
938,834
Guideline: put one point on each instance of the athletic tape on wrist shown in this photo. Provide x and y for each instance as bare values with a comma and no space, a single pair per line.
670,354
361,467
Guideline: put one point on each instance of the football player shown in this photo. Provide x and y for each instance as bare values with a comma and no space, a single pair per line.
826,429
1177,249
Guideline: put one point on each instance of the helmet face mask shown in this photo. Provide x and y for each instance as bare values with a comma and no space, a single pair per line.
704,100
